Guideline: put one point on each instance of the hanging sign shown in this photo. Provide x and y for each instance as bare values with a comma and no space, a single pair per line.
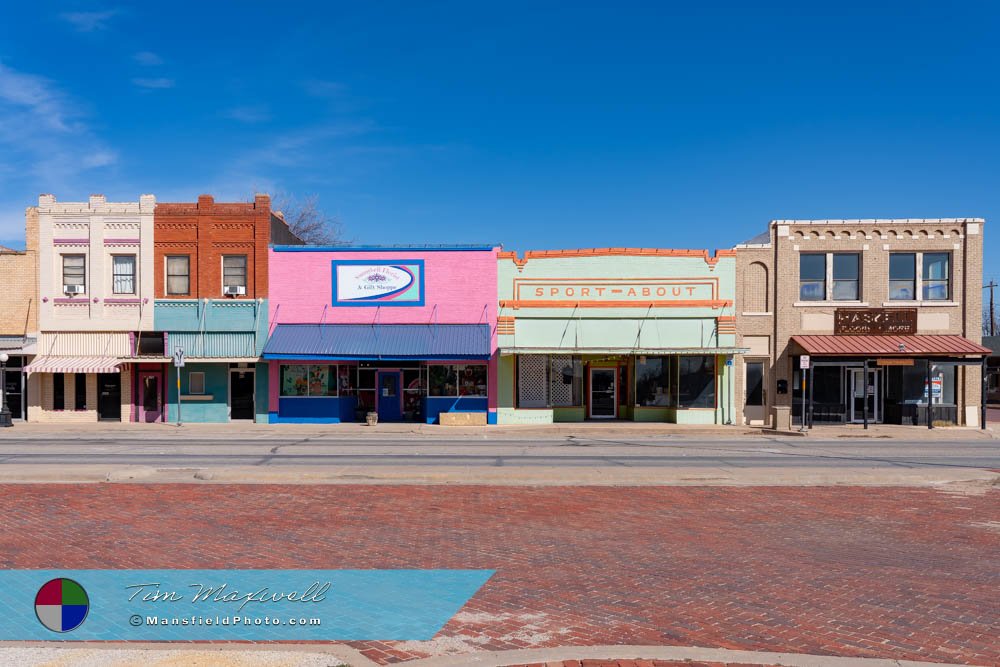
377,283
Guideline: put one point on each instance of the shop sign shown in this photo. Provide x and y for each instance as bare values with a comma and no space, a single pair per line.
874,321
617,291
374,283
894,362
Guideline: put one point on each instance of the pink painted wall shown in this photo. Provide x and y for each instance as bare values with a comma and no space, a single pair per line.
460,287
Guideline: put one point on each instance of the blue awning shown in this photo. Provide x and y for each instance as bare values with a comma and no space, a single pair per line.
379,342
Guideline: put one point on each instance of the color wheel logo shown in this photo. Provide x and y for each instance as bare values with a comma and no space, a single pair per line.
61,605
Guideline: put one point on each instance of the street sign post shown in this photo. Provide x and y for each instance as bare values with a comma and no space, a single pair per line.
178,365
803,367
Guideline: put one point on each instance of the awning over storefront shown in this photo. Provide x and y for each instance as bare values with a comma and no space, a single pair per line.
73,365
651,351
890,346
17,344
379,342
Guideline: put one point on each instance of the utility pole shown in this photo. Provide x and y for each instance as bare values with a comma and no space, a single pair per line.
993,318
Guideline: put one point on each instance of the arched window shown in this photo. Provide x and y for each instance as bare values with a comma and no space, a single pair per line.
755,289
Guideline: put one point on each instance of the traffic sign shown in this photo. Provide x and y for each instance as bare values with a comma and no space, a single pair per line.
804,362
179,357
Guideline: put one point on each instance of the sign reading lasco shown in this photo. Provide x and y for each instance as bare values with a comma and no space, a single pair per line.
375,283
616,290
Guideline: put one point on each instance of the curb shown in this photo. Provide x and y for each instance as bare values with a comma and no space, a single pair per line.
677,653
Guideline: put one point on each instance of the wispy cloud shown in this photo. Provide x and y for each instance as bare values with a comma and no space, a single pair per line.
322,88
89,21
157,83
147,58
46,143
248,114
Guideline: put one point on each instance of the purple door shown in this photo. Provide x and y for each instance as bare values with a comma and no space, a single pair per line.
150,397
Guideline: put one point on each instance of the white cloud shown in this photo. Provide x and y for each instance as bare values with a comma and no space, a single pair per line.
46,144
156,84
89,21
147,58
248,114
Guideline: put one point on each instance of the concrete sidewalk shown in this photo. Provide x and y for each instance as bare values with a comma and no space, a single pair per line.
583,430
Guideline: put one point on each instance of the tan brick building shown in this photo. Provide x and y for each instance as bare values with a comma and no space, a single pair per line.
19,313
886,311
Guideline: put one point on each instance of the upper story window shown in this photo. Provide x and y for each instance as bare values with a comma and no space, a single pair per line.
812,277
834,276
123,274
846,274
936,276
931,283
179,274
234,274
902,276
74,273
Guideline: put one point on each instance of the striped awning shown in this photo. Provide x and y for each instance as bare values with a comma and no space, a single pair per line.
59,364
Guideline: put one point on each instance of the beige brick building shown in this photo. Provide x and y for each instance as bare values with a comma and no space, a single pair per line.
19,313
887,311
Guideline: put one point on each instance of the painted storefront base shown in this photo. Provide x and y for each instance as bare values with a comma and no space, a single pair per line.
79,397
319,392
218,392
673,389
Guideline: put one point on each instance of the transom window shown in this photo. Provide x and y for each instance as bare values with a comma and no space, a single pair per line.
832,276
179,274
123,274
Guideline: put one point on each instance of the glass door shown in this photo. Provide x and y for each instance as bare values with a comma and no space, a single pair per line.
857,398
603,393
755,401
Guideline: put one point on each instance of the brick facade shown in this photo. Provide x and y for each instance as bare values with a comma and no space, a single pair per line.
206,231
19,297
769,310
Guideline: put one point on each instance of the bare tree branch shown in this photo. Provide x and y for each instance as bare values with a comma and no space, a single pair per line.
307,220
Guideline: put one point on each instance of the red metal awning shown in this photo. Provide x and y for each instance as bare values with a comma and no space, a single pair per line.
889,346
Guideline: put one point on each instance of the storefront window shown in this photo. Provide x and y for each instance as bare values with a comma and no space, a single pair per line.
442,381
309,380
457,380
345,386
696,382
565,381
653,382
293,381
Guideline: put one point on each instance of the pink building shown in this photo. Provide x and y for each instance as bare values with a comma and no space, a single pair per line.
406,332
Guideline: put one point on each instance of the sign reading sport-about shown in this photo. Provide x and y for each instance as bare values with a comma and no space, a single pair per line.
374,283
603,291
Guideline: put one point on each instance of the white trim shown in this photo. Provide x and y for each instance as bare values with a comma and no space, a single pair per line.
756,314
828,304
919,304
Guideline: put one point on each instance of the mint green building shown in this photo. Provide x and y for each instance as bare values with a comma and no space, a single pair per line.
634,334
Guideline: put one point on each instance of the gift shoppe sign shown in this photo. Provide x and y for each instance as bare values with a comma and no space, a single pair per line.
375,283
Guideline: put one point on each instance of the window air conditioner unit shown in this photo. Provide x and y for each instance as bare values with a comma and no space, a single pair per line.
73,289
234,290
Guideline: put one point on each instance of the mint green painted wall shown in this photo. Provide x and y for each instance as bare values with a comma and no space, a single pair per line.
618,328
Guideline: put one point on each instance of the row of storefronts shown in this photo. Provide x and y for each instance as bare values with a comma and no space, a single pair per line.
208,312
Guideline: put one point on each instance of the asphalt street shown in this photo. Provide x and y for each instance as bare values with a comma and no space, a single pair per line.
399,451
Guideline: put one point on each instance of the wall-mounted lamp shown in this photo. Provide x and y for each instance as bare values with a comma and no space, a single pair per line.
902,348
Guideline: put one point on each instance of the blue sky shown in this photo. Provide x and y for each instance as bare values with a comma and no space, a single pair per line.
624,124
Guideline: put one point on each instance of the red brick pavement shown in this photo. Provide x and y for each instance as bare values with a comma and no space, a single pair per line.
875,572
640,663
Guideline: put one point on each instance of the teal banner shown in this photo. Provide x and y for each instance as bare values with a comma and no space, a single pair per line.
254,605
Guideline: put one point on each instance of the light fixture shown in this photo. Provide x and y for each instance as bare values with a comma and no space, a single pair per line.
902,348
